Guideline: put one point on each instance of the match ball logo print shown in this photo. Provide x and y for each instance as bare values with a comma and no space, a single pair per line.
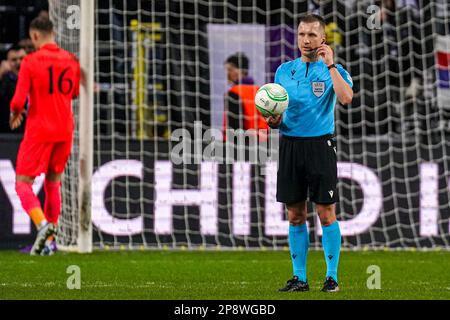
318,88
265,102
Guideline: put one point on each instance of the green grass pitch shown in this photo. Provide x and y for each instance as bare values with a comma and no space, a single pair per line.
220,275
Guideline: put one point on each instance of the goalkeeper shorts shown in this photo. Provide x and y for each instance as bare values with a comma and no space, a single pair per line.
36,157
307,168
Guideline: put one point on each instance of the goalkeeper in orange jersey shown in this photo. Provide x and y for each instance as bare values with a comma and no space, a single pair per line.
50,78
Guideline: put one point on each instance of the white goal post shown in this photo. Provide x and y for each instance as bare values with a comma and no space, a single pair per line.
74,26
86,124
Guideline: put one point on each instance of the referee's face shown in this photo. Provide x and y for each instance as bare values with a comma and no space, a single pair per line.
310,36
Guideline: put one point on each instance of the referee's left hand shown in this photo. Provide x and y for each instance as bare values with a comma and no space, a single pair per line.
273,121
326,53
15,119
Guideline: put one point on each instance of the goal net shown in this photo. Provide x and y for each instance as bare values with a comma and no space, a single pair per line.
160,84
68,37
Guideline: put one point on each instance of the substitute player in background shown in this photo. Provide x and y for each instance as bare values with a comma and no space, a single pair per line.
307,155
50,78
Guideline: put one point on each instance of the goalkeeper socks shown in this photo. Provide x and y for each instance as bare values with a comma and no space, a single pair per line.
331,242
30,203
298,245
52,206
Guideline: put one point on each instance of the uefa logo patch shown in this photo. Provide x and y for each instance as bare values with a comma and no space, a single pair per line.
318,88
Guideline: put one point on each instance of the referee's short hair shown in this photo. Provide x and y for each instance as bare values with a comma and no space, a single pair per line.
311,17
42,24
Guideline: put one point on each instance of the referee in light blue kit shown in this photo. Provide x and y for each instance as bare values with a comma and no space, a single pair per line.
307,155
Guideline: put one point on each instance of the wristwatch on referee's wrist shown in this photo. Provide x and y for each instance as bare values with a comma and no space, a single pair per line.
331,66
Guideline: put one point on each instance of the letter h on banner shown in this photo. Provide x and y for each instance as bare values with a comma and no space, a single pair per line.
166,198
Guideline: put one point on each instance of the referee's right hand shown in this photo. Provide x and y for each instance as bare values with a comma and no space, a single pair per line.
273,121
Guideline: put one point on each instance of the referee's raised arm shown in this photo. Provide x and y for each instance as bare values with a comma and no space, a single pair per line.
342,89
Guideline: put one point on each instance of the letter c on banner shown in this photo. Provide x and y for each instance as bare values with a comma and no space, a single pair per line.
100,181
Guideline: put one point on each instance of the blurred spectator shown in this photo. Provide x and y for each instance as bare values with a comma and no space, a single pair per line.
334,36
240,109
9,70
390,55
27,45
333,13
43,14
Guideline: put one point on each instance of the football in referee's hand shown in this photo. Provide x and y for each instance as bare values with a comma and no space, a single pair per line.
271,99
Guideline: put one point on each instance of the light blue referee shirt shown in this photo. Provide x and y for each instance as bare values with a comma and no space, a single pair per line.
311,97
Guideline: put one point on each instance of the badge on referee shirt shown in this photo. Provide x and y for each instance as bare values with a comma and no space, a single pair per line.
318,88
